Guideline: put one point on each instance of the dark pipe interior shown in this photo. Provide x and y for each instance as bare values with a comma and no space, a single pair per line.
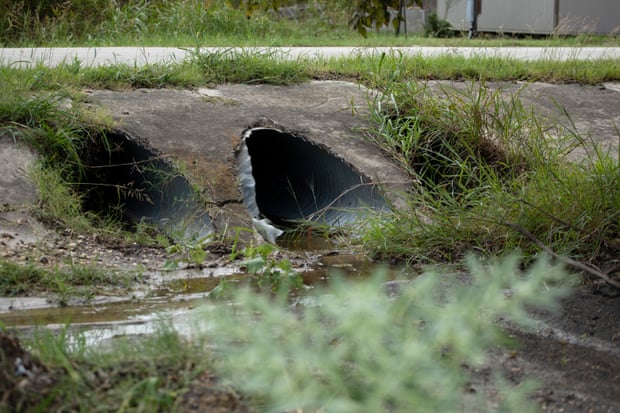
128,179
298,180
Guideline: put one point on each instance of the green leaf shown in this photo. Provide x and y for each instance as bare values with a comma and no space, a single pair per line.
254,265
170,265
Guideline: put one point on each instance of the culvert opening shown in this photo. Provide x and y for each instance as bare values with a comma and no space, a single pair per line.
128,180
290,181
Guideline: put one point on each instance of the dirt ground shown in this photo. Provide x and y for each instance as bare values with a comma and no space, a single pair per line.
574,354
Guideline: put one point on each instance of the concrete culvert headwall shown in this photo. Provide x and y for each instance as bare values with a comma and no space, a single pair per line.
288,179
127,177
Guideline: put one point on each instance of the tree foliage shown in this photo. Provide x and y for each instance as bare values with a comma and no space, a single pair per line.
375,13
251,6
365,14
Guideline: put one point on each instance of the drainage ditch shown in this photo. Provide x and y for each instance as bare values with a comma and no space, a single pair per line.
284,178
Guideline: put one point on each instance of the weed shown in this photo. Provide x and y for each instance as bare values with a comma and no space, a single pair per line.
436,27
59,204
144,233
269,271
190,253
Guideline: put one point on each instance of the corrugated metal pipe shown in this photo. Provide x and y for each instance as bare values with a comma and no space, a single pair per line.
289,181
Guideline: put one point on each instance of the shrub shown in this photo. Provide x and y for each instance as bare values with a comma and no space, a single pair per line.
436,27
356,349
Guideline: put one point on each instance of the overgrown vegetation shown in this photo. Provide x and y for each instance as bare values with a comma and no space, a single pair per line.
179,22
492,179
493,176
488,165
436,27
57,127
241,66
161,373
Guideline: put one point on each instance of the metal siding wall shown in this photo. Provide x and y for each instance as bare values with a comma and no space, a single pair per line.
518,16
454,11
592,16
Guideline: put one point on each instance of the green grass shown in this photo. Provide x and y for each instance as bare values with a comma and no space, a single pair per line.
394,67
491,178
228,65
146,374
232,66
60,283
191,23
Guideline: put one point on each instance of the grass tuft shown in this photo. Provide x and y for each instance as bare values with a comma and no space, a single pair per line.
61,283
243,66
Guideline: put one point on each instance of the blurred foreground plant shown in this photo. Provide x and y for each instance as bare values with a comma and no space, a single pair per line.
354,348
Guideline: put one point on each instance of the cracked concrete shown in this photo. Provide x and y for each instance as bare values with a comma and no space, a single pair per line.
201,130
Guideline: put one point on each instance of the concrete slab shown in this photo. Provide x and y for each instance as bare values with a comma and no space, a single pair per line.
201,129
16,161
592,112
18,194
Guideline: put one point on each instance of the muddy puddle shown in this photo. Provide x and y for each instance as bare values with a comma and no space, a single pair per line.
172,298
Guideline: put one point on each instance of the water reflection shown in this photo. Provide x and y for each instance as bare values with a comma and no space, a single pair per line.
173,298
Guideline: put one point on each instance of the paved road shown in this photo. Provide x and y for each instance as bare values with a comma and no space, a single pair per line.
102,56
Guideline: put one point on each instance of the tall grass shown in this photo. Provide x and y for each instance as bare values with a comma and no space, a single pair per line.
243,66
492,177
159,22
213,22
55,124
